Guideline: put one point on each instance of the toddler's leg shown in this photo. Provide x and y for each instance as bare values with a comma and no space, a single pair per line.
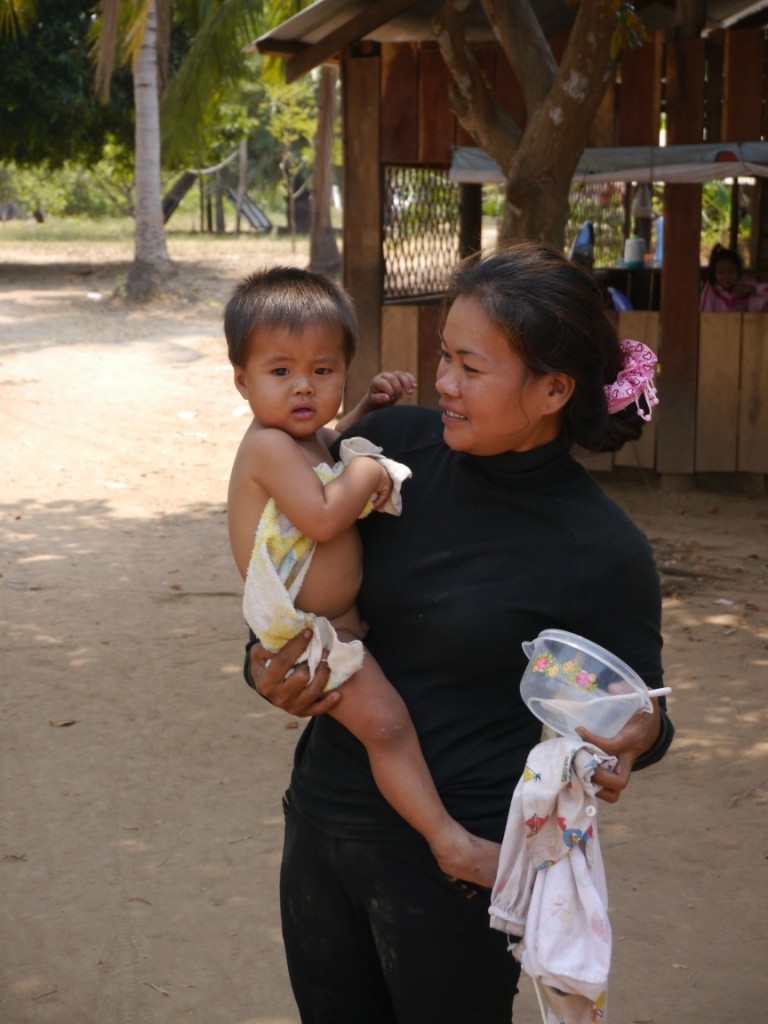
376,715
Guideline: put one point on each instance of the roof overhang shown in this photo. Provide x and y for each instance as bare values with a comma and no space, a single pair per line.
320,32
682,164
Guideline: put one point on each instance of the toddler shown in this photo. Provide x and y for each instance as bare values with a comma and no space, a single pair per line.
290,337
726,290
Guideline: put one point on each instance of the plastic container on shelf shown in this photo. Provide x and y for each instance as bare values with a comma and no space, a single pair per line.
571,681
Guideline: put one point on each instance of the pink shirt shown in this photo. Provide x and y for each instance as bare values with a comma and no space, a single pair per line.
715,299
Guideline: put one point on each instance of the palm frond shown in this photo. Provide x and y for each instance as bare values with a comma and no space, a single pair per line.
105,35
213,64
16,17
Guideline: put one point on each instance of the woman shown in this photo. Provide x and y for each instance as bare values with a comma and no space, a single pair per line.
502,535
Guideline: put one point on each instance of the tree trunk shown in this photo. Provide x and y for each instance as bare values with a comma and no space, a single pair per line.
219,204
561,102
242,179
324,254
151,266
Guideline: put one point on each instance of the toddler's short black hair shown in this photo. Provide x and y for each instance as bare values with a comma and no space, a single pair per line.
286,297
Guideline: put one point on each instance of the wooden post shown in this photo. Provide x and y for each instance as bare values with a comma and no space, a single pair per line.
362,215
676,432
470,219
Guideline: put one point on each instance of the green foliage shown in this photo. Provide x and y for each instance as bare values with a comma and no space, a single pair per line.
291,121
213,67
50,113
73,190
716,219
630,32
16,16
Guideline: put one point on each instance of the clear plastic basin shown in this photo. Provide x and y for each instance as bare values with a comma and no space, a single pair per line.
571,681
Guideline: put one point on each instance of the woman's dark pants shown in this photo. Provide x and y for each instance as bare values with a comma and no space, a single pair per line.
376,934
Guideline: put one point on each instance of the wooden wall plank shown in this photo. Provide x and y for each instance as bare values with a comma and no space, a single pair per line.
508,91
400,343
595,462
399,103
715,47
429,353
437,124
640,95
753,405
642,326
685,70
743,67
363,271
717,406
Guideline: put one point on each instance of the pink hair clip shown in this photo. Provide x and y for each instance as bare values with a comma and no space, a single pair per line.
635,379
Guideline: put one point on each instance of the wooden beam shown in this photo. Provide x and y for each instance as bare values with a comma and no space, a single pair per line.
363,271
676,421
276,48
368,20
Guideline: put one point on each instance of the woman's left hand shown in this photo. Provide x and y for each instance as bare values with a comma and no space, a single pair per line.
637,736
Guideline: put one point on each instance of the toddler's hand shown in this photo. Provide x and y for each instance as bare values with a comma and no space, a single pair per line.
744,288
383,487
389,387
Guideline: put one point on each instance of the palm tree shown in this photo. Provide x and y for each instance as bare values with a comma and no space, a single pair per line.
151,265
137,32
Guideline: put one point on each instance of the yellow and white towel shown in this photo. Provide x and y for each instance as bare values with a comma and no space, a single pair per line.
279,562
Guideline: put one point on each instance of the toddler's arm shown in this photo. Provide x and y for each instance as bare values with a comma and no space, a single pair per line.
320,511
385,389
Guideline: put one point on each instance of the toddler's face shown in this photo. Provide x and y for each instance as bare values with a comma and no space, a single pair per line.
726,274
294,380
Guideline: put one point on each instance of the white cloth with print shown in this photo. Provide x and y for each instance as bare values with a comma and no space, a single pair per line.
550,894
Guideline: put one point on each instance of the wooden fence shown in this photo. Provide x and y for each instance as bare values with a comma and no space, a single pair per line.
731,433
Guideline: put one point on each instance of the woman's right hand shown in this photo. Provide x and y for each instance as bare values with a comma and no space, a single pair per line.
288,687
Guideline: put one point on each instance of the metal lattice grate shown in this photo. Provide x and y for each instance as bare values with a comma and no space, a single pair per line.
603,204
421,230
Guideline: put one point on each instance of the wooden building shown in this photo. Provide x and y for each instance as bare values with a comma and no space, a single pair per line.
399,134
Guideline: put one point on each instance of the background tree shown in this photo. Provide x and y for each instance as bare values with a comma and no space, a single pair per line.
143,46
50,113
324,256
292,125
539,159
138,32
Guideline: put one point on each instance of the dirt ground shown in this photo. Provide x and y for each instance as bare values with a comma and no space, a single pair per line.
142,780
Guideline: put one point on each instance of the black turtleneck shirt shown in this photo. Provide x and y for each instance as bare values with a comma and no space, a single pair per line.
488,552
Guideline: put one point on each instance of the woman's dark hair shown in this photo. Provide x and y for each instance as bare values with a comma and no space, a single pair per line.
720,254
286,297
551,312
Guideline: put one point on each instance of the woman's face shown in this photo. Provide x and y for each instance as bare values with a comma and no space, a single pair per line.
489,401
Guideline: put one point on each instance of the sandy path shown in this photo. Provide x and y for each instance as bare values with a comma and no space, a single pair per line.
141,842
